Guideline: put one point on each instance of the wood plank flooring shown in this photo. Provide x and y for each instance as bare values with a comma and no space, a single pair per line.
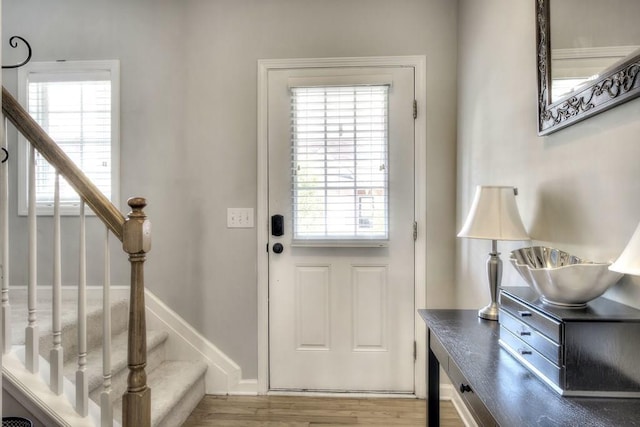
296,411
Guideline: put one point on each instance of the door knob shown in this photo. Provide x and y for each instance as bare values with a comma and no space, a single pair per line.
278,248
464,387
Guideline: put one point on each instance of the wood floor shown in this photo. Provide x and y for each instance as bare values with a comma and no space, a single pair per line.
295,411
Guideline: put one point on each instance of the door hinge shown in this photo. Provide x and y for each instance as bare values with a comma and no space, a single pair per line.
415,351
415,109
415,231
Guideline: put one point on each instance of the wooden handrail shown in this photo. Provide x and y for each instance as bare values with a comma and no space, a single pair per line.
31,130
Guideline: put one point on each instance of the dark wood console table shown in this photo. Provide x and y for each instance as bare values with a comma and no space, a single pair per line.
498,390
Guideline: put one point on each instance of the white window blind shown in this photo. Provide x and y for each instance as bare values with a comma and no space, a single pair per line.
340,163
75,107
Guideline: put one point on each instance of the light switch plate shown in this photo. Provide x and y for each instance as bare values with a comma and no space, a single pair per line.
239,217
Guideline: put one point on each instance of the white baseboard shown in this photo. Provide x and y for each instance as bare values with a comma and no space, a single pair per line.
447,392
223,376
246,388
342,394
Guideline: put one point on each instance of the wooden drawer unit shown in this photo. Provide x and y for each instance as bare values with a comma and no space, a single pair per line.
532,317
577,352
551,371
547,347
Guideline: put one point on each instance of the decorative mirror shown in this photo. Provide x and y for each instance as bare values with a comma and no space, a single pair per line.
588,59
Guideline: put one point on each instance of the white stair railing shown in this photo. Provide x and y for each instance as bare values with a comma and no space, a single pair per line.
4,246
106,407
82,384
56,355
32,334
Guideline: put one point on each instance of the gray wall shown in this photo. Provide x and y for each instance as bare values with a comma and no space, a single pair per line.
151,106
578,187
594,23
189,101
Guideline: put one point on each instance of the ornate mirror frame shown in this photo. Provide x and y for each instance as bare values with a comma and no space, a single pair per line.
614,86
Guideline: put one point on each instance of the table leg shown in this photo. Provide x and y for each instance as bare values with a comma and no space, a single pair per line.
433,397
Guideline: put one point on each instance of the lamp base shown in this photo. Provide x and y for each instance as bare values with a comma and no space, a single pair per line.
489,312
494,274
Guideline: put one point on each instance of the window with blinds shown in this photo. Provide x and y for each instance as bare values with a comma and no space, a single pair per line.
74,104
339,140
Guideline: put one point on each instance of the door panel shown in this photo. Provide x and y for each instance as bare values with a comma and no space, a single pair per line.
312,307
369,290
341,313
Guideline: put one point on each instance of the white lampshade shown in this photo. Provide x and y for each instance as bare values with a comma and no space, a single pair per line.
494,215
629,260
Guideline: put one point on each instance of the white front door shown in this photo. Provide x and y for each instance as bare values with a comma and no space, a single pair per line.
341,270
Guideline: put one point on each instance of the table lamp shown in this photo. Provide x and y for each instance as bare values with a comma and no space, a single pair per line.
629,260
494,216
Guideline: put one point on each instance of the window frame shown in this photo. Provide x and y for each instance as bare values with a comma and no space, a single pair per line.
65,67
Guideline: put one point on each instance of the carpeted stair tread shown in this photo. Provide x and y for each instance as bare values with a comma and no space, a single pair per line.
118,357
68,312
169,382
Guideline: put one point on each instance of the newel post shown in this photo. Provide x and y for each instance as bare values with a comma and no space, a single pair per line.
136,241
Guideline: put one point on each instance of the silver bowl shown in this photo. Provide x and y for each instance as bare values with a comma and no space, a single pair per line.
560,278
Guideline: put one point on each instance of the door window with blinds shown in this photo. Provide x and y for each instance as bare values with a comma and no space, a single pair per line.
339,140
76,103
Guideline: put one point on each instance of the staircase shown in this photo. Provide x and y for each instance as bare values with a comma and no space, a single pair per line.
80,356
177,386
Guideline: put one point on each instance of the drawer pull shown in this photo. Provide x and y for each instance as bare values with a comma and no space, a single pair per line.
524,313
525,333
524,352
464,387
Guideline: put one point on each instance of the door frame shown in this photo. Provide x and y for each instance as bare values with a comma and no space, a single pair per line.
420,199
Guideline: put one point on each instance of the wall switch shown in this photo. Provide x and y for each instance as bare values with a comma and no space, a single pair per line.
239,217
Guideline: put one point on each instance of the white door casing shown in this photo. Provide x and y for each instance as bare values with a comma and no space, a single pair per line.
341,317
366,267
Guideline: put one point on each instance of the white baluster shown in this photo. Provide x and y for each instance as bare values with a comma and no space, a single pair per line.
56,353
105,397
32,329
4,238
82,385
